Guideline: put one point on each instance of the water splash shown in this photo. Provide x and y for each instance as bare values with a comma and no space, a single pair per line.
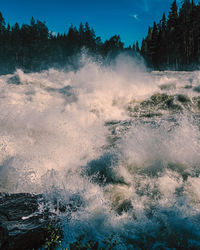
69,134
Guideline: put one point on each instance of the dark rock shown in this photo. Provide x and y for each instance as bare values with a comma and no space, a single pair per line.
196,101
72,204
168,86
14,80
66,90
16,206
102,170
158,98
125,206
197,89
3,236
112,122
150,115
160,104
23,225
188,87
157,102
183,98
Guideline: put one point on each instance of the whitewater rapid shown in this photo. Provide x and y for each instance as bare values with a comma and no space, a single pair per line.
78,137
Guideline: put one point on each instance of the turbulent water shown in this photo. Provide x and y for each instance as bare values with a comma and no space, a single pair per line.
115,147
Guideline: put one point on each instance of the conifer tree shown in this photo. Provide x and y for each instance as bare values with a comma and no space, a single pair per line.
178,38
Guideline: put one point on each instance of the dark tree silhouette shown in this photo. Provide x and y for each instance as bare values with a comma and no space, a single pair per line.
33,47
175,43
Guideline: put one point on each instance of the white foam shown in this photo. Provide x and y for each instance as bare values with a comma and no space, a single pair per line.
52,128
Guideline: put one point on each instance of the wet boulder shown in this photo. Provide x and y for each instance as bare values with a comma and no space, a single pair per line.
102,170
197,89
183,98
188,87
3,236
14,80
23,225
159,98
170,86
184,101
156,104
196,101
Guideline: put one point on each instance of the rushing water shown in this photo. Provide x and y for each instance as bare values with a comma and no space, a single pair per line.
117,146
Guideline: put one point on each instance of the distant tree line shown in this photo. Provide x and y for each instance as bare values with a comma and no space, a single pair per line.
33,47
174,42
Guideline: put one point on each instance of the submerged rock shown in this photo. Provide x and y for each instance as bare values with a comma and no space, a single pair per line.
162,103
14,80
120,197
170,86
157,104
188,87
197,89
22,224
196,101
183,98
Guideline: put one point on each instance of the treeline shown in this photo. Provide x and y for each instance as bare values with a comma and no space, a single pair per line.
33,47
174,42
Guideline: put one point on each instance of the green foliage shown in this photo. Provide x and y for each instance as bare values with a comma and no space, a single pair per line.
81,244
53,237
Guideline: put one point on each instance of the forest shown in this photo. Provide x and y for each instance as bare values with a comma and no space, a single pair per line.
32,47
173,43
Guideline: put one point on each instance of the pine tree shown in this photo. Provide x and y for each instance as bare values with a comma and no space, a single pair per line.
113,46
137,47
178,39
2,23
89,37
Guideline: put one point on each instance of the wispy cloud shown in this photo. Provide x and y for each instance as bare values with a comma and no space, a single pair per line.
135,16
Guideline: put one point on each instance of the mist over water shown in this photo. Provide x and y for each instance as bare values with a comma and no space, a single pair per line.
117,145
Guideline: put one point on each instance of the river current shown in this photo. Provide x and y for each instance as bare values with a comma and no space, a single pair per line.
117,146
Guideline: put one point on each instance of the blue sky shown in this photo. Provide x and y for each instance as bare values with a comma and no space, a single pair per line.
128,18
